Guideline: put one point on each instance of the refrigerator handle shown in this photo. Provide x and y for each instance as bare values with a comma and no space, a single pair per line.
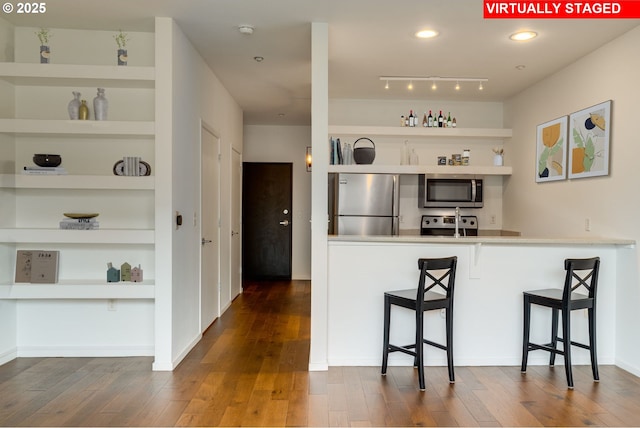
396,196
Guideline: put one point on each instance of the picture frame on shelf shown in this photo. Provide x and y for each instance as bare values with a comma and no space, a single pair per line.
551,154
590,132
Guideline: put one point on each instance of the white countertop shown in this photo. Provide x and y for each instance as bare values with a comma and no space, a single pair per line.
496,240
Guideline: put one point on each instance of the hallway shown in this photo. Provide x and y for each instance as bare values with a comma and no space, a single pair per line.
250,369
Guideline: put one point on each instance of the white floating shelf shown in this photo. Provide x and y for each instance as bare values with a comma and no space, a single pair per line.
32,74
401,131
93,128
28,181
79,290
59,236
422,169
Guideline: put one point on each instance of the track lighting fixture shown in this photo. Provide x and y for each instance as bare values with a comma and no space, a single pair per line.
459,81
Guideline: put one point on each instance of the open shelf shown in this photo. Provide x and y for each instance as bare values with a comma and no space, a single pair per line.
401,131
422,169
78,182
79,290
92,128
59,236
28,74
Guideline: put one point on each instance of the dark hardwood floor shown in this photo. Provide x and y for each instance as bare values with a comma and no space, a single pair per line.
250,369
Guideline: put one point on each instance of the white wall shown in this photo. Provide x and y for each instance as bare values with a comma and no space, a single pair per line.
196,96
288,144
610,203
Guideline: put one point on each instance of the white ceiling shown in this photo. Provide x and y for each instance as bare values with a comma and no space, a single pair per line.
368,39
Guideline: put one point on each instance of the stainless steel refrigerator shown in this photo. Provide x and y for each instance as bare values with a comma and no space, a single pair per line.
364,204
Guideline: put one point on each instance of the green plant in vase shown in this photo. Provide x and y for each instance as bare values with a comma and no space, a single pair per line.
44,34
121,40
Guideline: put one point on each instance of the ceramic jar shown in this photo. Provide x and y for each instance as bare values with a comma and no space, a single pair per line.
74,106
100,105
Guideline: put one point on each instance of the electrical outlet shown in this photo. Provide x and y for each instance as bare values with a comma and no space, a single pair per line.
493,219
587,224
111,305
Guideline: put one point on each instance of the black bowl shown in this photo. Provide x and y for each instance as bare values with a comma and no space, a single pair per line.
44,160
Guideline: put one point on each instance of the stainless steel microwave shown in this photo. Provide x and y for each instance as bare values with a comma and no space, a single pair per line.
442,191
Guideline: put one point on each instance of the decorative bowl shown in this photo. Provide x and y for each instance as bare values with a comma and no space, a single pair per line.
46,160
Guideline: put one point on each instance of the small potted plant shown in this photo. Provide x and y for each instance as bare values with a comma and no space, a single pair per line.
122,39
44,34
497,158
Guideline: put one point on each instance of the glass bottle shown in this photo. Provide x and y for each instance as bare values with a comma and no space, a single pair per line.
440,120
430,120
449,122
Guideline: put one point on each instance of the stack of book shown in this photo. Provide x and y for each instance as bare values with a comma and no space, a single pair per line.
44,170
79,224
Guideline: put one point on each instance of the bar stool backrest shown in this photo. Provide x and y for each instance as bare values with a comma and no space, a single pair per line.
581,273
439,273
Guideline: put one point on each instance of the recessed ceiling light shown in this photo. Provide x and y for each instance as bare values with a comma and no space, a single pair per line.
258,58
521,36
425,34
246,29
521,67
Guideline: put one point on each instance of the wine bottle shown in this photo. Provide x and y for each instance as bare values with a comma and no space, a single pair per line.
412,119
440,120
430,120
425,123
449,121
453,122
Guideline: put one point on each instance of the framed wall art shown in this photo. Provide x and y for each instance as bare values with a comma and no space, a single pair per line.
551,155
590,131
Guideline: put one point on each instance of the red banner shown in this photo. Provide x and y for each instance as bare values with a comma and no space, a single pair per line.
516,9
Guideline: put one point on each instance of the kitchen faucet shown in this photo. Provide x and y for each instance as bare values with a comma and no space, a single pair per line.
457,221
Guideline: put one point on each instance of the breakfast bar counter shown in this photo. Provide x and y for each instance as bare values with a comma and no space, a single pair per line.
492,273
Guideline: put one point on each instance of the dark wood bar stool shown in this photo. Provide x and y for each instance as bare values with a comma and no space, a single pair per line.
580,273
433,272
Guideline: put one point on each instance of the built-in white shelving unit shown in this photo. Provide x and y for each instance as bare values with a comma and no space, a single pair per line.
425,135
23,190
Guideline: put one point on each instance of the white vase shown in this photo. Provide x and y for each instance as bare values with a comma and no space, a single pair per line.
100,105
74,106
498,160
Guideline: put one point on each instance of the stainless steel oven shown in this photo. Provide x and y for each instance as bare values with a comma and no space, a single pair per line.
446,191
444,225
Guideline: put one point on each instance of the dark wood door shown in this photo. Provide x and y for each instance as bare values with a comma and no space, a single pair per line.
266,220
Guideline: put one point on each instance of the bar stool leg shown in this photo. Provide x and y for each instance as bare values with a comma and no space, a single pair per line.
554,336
525,333
566,338
419,360
387,320
449,333
592,343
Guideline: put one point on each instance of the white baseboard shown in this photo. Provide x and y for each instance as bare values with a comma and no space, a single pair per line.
8,355
82,351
